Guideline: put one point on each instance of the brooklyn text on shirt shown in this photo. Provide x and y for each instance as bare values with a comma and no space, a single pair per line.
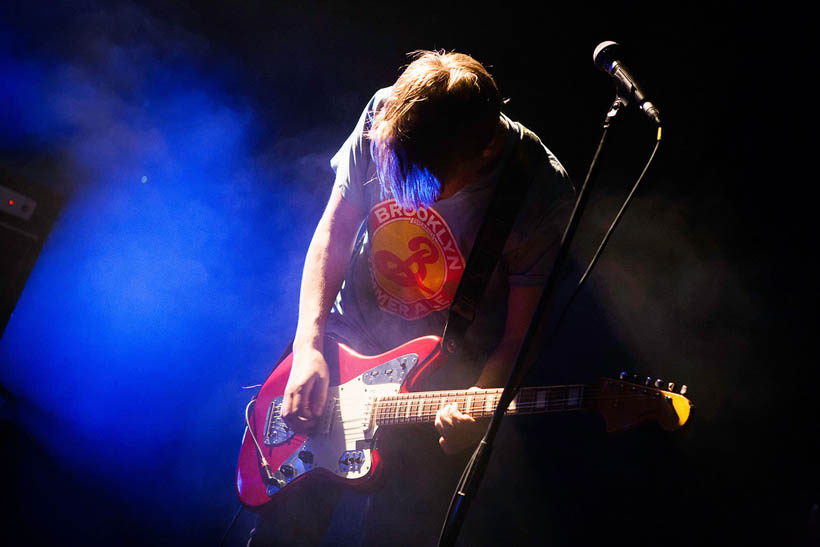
415,263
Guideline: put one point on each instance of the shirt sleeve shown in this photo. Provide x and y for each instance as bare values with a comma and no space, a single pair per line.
536,236
352,163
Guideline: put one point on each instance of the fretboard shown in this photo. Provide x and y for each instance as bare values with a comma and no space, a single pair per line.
405,408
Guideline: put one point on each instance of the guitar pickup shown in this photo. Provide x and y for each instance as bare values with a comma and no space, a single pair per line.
326,421
351,461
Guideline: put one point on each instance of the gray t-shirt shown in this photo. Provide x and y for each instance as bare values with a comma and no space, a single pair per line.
406,267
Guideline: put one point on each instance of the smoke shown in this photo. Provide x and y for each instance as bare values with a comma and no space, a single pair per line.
195,179
171,276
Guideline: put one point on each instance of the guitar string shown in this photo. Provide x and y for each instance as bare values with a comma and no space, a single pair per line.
400,407
483,401
433,399
587,394
398,410
487,393
384,404
396,403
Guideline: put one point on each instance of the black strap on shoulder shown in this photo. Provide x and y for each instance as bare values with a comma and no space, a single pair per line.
502,211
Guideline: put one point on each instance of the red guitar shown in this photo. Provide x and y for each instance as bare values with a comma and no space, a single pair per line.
368,392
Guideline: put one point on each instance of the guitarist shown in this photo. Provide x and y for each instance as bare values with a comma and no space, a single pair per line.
413,181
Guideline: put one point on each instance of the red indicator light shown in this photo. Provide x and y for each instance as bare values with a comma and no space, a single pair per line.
11,202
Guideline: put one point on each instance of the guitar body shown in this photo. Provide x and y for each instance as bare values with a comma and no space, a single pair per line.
367,392
341,448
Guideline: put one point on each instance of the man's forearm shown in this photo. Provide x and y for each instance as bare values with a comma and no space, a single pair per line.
521,305
325,264
321,279
495,371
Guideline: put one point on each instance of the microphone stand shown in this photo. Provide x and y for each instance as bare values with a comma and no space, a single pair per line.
528,353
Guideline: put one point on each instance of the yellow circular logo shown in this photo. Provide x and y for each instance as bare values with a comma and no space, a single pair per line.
415,262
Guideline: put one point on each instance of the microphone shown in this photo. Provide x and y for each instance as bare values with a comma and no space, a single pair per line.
607,57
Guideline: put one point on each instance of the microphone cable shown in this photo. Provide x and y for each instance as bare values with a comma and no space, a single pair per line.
606,237
468,470
230,526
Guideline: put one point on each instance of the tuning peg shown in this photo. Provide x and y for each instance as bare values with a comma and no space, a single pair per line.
658,382
671,386
622,375
648,379
683,389
634,378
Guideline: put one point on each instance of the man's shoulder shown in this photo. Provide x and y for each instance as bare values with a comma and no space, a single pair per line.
535,153
374,105
379,98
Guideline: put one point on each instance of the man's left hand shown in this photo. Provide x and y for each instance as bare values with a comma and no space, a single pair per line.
458,430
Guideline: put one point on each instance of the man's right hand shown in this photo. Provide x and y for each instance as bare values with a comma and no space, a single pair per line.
325,263
306,391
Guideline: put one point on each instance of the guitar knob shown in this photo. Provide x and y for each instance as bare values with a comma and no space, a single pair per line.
683,389
658,382
306,456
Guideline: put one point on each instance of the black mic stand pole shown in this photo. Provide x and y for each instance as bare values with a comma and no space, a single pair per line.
528,353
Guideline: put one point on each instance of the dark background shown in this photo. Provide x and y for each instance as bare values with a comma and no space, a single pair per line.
190,143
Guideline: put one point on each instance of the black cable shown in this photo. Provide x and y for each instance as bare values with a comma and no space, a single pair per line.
473,473
606,237
233,521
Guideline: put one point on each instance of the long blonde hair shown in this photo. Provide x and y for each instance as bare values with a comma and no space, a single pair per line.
442,110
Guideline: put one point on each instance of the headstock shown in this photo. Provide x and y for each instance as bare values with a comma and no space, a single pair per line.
625,404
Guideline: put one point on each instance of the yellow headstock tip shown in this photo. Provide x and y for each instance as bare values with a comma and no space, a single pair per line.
682,408
625,405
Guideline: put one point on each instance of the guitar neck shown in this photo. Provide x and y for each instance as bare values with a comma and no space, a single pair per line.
406,408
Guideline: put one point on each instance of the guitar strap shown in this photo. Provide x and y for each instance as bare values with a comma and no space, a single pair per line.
505,204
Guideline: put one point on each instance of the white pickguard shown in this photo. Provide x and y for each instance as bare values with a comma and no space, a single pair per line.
344,433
